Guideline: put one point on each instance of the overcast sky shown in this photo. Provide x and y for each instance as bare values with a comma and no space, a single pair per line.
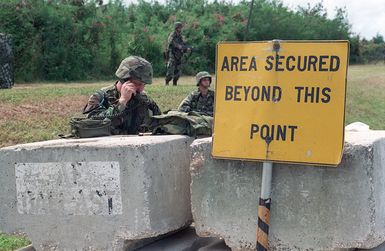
367,17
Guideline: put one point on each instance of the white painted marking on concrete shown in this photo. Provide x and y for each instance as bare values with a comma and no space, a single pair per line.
68,188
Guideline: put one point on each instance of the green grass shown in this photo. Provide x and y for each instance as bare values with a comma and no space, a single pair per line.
12,242
365,99
167,97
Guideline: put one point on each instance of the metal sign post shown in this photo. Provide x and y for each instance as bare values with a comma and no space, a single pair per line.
265,198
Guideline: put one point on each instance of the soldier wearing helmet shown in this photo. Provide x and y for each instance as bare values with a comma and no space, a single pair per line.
125,102
201,100
176,46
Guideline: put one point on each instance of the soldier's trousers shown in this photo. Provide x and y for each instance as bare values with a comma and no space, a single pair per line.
6,76
173,70
6,58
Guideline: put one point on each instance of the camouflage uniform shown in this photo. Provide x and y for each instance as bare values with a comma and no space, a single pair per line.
6,62
196,101
175,45
129,119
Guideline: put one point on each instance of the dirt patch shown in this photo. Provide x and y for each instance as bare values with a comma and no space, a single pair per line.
60,107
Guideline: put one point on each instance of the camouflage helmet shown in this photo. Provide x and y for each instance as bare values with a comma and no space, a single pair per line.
201,75
177,25
137,68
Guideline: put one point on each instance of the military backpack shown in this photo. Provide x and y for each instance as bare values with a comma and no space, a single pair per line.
175,122
88,128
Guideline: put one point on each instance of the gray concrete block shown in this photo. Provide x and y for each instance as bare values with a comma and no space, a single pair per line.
313,208
357,127
96,194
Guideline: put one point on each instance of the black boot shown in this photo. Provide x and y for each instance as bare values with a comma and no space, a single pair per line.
175,82
167,80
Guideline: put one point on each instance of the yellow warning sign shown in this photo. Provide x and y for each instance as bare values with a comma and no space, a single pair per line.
281,101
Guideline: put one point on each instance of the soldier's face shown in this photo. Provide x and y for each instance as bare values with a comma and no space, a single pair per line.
139,86
178,30
205,82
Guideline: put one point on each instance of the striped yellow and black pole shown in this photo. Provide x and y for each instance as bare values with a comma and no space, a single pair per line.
263,224
264,208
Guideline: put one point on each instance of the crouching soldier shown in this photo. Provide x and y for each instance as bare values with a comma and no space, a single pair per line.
201,100
125,103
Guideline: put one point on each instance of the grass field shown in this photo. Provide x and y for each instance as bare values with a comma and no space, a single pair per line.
365,100
40,111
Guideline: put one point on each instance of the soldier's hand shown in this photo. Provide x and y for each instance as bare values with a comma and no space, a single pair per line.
188,49
127,91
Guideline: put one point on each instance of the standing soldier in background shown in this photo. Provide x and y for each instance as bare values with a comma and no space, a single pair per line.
176,46
6,62
201,100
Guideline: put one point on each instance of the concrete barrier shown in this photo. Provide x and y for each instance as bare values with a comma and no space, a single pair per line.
95,194
313,208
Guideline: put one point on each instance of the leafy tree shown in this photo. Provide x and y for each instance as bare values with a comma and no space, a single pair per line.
87,39
378,39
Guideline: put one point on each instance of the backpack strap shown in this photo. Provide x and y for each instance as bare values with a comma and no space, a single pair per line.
102,103
66,136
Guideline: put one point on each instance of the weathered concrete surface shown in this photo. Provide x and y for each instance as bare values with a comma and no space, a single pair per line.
313,208
357,127
95,194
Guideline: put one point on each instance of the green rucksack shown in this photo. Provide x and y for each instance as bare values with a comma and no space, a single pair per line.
88,128
175,122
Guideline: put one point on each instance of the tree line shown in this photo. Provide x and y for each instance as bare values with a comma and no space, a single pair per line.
65,40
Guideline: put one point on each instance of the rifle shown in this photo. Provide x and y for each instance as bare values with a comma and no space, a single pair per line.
184,50
192,49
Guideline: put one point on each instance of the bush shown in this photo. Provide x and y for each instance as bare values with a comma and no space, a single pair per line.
66,40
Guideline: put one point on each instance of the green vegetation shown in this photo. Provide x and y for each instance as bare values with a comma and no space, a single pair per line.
365,100
12,242
67,40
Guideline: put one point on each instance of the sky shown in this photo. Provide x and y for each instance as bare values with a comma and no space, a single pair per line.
367,17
